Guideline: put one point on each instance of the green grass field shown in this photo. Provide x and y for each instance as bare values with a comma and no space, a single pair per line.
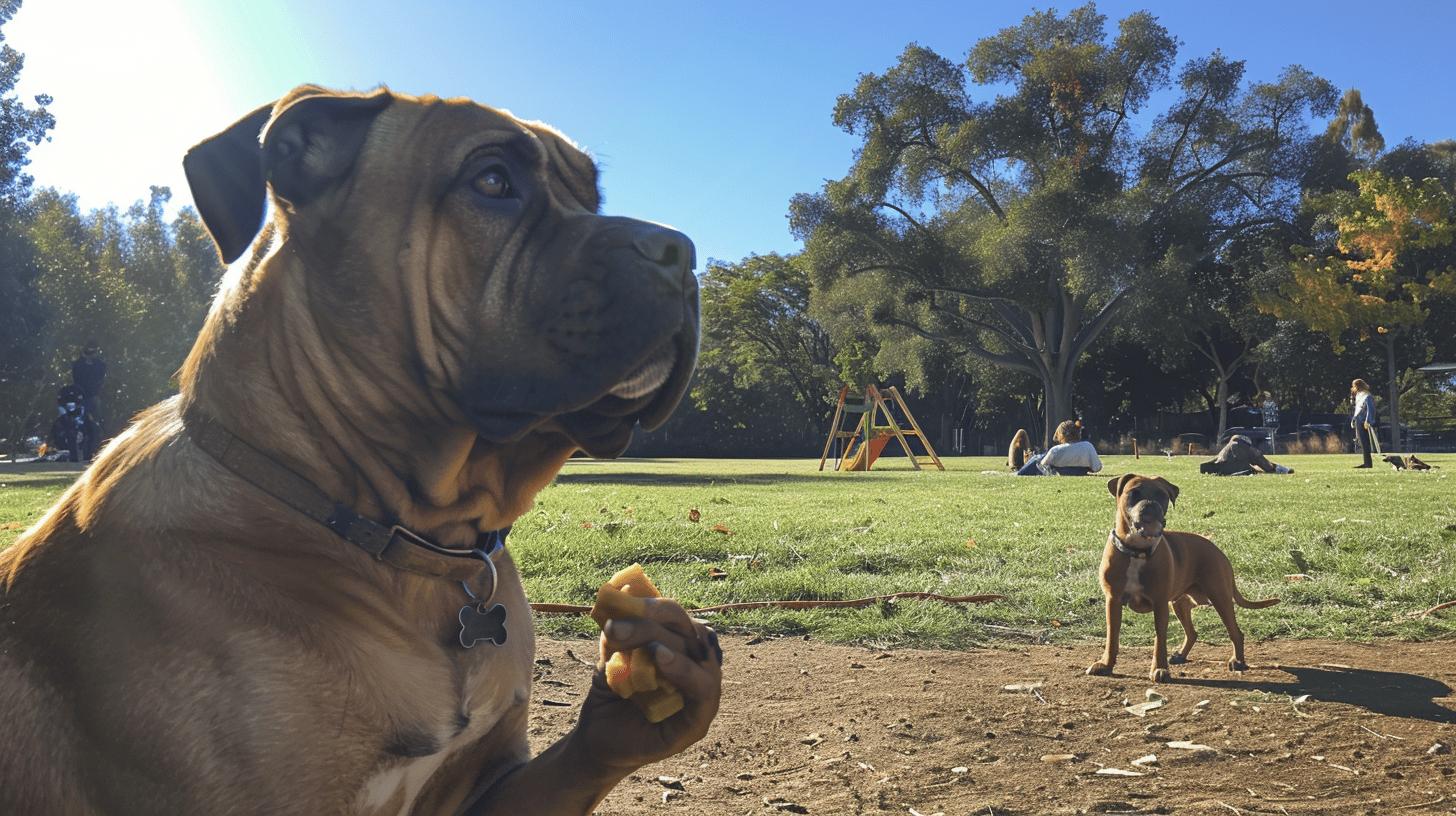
1378,545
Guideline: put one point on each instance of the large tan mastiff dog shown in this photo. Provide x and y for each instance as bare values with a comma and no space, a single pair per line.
1147,568
284,591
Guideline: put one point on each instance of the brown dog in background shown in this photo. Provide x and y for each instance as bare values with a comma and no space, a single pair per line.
1148,568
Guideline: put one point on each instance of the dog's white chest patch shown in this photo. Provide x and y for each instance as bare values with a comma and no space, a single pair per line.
1132,582
398,786
392,791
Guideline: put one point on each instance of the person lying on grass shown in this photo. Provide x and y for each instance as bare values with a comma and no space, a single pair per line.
1071,456
1241,458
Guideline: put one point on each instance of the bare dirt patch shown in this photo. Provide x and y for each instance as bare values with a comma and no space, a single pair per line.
812,728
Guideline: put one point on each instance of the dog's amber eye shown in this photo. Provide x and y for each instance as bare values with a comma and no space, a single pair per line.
494,183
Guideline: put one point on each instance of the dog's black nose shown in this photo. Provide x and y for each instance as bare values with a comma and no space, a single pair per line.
665,247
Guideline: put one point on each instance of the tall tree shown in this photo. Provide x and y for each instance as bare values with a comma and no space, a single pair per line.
1353,127
1018,229
757,328
22,316
1387,262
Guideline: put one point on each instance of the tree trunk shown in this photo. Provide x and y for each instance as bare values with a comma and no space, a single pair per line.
1058,388
1222,397
1394,386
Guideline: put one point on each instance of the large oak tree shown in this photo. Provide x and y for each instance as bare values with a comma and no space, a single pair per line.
1017,223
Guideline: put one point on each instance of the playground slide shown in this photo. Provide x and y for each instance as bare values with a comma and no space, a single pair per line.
875,447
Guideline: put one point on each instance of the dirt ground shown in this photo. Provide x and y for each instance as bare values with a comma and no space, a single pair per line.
812,728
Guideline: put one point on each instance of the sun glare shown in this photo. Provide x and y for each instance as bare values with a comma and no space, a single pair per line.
134,86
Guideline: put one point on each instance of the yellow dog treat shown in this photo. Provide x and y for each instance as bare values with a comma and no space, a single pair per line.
634,675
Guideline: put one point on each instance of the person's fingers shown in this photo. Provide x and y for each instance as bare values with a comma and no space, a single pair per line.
626,634
713,646
700,683
670,614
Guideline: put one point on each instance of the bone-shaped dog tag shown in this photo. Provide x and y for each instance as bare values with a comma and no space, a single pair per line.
478,623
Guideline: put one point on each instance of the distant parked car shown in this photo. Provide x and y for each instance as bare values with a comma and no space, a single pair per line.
1261,437
1318,436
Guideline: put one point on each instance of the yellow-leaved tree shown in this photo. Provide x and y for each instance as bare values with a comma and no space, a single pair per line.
1390,257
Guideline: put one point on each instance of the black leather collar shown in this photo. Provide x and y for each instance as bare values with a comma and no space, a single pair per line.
1131,552
394,544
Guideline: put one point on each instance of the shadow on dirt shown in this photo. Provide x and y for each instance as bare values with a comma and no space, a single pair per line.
1393,694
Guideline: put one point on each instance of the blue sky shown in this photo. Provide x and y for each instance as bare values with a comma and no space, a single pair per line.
707,116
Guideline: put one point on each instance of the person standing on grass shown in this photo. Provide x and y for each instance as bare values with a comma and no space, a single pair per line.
88,373
1071,456
1363,418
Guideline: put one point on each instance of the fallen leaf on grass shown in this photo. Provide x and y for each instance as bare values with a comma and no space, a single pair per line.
11,525
716,574
1297,576
970,543
694,516
722,528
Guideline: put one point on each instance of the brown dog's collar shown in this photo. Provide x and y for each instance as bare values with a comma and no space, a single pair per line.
1129,551
394,544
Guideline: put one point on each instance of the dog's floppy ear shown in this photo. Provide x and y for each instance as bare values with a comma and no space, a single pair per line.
299,144
1117,483
225,174
314,137
1171,488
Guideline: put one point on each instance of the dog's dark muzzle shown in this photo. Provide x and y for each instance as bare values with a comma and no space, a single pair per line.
640,282
1147,519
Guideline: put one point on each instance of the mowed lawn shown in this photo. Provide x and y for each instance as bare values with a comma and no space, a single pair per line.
1378,547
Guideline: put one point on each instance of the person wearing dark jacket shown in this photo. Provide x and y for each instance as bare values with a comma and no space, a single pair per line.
88,373
1240,457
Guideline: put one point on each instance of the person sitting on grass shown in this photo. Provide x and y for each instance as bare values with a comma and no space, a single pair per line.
1071,456
1240,457
1020,449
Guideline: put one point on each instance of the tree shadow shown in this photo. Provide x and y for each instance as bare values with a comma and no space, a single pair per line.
45,483
1392,694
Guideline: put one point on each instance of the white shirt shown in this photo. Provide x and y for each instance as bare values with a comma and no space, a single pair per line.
1072,454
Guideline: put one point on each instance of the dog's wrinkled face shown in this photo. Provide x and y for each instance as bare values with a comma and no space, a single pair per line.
1142,503
466,245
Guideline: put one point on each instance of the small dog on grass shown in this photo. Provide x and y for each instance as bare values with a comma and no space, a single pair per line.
1149,568
1410,462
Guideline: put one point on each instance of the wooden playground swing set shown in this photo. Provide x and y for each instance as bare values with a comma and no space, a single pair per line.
857,447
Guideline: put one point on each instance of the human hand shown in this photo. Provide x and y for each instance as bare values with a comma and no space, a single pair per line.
612,730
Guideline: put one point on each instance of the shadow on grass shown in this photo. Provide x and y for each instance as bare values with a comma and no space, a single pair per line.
1392,694
709,479
45,483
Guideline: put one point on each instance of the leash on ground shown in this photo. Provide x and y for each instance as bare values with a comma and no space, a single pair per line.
572,609
1438,607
